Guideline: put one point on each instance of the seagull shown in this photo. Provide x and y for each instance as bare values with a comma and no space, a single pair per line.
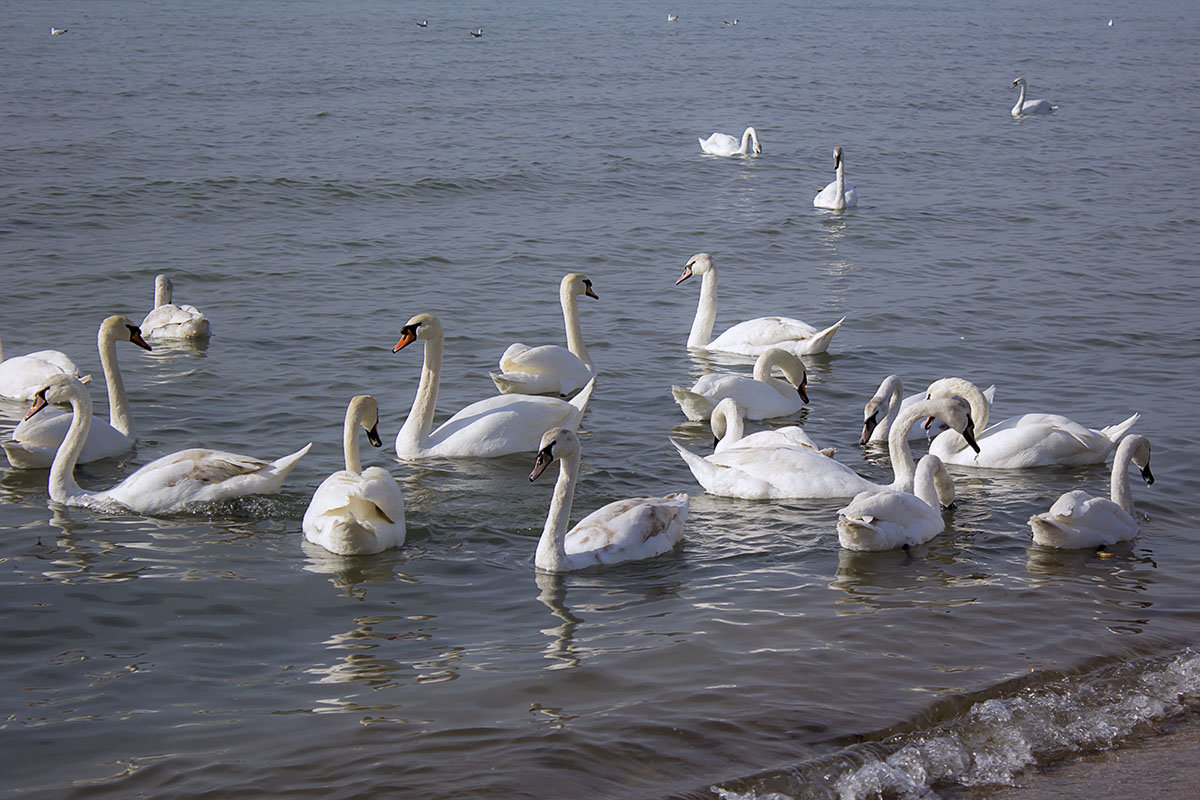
57,31
477,33
423,23
731,24
672,17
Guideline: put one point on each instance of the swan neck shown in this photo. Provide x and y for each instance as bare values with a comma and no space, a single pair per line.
62,483
1020,99
840,186
747,136
1119,483
728,427
893,390
551,549
119,415
162,291
706,311
570,308
903,468
350,443
420,417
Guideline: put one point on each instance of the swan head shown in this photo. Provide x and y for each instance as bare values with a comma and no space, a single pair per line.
837,157
696,265
873,414
366,411
60,389
791,365
1141,456
118,327
955,412
422,326
578,283
556,443
1017,82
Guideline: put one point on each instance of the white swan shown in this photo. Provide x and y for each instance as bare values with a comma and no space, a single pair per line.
722,144
22,376
888,520
551,368
728,427
789,472
881,410
357,511
839,193
753,336
624,530
35,441
497,426
60,31
170,321
1024,106
165,484
1030,440
760,397
1077,520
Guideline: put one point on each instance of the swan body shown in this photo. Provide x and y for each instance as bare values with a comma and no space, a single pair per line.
164,485
170,321
839,193
722,144
357,511
728,426
752,337
22,376
889,519
1030,440
780,471
60,31
497,426
1024,106
883,407
673,17
35,441
760,397
551,368
1077,520
624,530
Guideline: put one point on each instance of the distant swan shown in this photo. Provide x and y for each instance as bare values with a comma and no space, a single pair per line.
35,441
883,407
1077,520
1030,440
753,336
423,23
761,396
730,23
164,485
839,193
623,530
477,33
722,144
551,368
22,376
1024,106
673,17
889,519
60,31
169,321
357,511
497,426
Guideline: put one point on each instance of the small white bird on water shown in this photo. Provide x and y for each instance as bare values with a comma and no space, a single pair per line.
60,31
731,23
1110,23
477,33
423,23
673,17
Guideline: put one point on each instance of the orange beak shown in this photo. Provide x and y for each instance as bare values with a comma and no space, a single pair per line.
39,402
687,273
408,338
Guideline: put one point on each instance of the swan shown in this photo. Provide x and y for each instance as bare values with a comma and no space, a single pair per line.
728,427
1024,106
170,321
497,426
60,31
623,530
551,368
356,511
1030,440
164,485
838,194
886,403
722,144
22,376
35,441
888,520
789,472
760,397
477,33
1077,520
423,23
751,337
673,17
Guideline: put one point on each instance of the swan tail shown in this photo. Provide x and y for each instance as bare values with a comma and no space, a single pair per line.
819,342
696,407
282,466
1115,432
580,400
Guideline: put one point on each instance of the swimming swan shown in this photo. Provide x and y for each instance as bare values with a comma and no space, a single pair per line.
1024,106
356,511
1077,520
497,426
881,410
1030,440
165,484
728,428
22,376
887,520
760,397
839,193
551,368
722,144
170,321
753,336
35,441
789,472
624,530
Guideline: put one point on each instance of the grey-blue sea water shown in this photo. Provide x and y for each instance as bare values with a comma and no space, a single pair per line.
313,174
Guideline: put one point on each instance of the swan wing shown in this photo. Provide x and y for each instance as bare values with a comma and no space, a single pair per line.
627,530
755,335
551,366
1077,520
720,144
170,321
777,472
757,399
1031,440
887,520
22,376
506,423
353,514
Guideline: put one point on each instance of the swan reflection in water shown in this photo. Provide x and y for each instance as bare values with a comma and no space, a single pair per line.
552,593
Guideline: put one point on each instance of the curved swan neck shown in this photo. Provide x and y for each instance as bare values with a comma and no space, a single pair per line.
728,425
1119,483
162,290
570,309
551,550
899,452
784,360
975,399
706,311
350,443
119,415
749,135
932,483
420,417
892,388
62,483
1020,98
